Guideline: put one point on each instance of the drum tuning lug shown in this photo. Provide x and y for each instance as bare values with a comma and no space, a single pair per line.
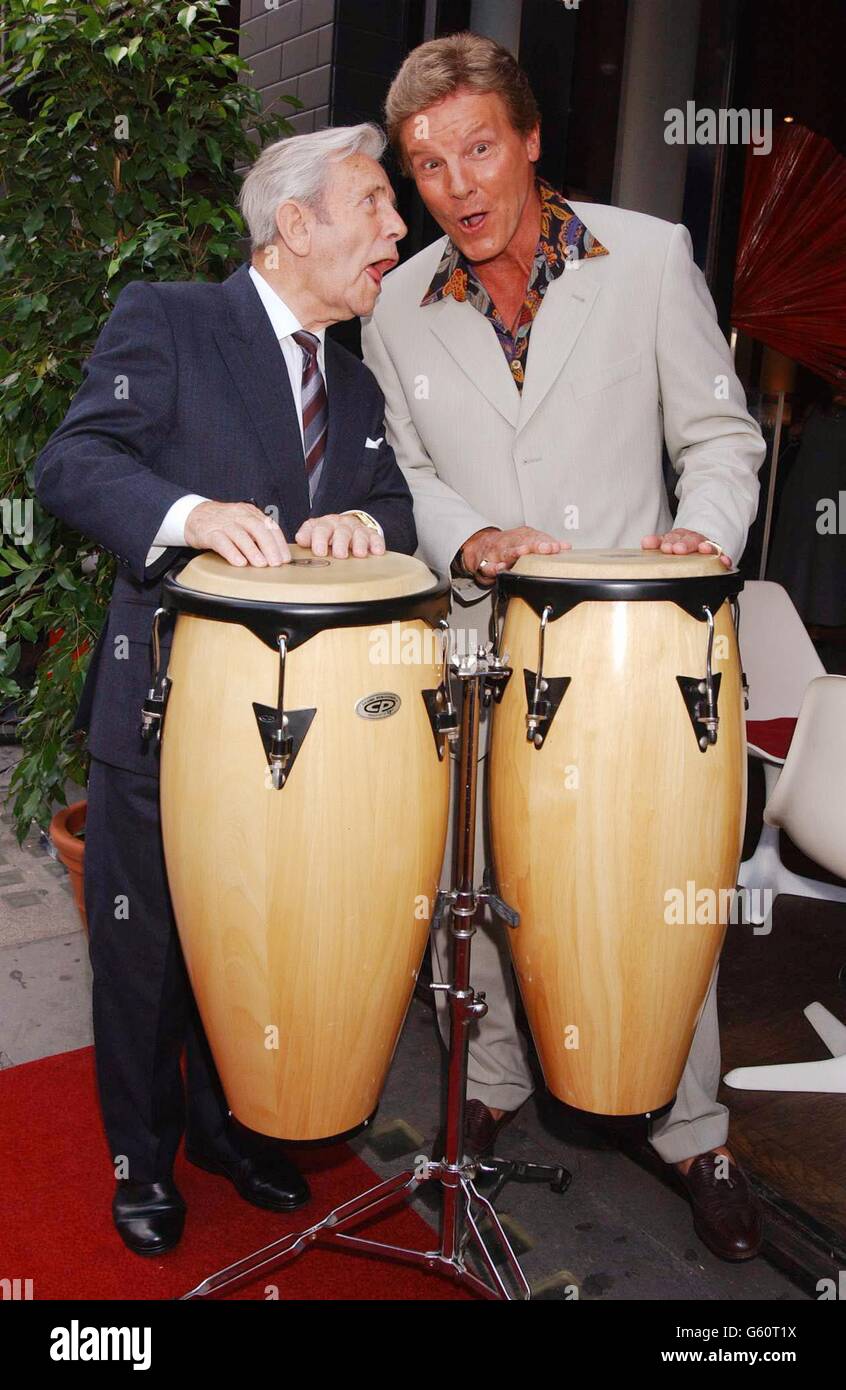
700,696
488,895
543,693
543,696
152,711
442,907
443,717
698,705
153,708
282,739
498,675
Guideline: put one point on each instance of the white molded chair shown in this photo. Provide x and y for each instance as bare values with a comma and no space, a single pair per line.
809,802
780,661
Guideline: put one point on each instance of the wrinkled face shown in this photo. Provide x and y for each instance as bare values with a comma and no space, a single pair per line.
472,169
353,237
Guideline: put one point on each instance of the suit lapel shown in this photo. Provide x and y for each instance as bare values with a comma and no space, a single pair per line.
252,354
563,314
472,343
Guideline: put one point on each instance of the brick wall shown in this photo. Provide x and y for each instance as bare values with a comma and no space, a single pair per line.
289,48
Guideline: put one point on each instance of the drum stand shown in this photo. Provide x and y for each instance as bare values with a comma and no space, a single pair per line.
464,1208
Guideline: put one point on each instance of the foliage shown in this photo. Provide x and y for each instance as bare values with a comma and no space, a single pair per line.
122,126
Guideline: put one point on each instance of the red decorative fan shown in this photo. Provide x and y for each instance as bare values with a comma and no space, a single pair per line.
790,279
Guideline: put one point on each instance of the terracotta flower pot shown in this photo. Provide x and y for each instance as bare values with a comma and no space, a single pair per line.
71,849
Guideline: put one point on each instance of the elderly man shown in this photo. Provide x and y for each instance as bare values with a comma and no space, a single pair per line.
212,417
532,359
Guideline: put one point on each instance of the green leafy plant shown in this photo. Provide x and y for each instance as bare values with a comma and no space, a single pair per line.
122,126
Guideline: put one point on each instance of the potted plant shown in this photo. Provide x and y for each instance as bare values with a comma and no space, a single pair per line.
122,126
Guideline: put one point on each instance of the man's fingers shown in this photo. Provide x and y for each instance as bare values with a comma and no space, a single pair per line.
320,534
222,545
237,531
341,538
247,545
683,542
361,541
269,538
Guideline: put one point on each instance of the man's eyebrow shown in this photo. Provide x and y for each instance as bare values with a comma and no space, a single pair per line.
420,145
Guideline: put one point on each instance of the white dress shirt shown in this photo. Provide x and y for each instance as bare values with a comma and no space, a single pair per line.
285,323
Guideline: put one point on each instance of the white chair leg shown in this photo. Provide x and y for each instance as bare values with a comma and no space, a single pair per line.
765,877
829,1028
827,1076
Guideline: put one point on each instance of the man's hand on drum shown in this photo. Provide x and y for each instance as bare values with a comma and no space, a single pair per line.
340,536
238,531
682,542
488,552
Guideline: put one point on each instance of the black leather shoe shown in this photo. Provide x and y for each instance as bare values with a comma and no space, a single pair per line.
148,1216
273,1183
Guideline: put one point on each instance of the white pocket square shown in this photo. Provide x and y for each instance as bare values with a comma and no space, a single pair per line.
374,443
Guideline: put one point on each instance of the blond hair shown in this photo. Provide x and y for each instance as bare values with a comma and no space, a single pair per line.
441,67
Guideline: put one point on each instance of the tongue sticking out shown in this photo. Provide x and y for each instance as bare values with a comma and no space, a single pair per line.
378,269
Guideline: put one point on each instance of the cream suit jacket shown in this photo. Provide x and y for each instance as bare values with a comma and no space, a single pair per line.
625,350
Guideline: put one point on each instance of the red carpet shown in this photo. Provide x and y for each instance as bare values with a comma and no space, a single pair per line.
55,1210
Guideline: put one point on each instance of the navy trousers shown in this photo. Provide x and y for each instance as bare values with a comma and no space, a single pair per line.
144,1009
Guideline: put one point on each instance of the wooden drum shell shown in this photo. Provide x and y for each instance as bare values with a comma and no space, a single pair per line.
591,831
303,912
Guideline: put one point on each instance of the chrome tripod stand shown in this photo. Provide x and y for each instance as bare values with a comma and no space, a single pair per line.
464,1208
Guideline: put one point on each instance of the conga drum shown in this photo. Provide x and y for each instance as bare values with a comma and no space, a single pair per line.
304,804
617,803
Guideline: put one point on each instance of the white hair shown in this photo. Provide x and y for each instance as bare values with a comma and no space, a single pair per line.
298,168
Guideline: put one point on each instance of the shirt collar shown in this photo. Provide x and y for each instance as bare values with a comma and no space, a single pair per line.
283,320
563,237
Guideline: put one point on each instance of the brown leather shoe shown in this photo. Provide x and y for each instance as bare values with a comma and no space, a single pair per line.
481,1129
726,1212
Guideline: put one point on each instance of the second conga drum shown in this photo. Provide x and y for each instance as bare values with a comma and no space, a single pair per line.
617,809
302,899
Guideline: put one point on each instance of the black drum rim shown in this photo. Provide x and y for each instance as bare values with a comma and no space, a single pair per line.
269,619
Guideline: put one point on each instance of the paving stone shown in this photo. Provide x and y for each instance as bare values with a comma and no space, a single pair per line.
394,1139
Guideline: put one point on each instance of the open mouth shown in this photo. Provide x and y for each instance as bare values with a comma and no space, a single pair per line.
379,268
473,221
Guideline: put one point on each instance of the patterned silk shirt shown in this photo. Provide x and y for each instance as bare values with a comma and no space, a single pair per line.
563,238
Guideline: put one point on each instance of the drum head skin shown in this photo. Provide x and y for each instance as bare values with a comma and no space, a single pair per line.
309,578
620,564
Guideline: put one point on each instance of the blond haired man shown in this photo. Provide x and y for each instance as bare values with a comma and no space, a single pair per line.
532,361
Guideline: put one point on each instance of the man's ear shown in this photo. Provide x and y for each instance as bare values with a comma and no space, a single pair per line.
533,144
294,224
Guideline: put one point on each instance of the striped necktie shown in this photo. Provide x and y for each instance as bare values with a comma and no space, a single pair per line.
315,408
